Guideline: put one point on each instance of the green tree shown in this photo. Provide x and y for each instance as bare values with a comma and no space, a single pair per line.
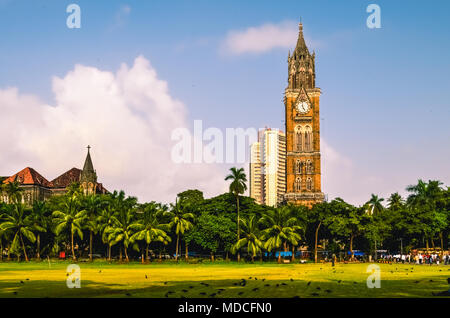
39,220
281,228
181,220
70,217
93,204
237,186
251,237
17,222
148,227
13,191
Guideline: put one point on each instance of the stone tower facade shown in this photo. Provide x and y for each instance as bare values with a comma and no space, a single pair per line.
302,111
88,178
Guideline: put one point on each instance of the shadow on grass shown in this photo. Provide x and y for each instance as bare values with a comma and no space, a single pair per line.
227,288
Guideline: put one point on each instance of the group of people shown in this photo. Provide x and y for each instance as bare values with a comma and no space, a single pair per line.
419,258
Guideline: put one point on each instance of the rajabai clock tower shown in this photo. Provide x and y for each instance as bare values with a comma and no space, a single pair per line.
303,170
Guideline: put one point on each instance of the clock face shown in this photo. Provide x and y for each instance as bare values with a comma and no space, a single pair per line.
302,107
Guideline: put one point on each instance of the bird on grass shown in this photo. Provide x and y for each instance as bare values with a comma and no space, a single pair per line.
15,293
292,279
267,285
256,278
203,294
263,279
416,282
296,296
277,285
240,293
146,277
309,283
22,282
243,282
100,271
165,283
128,294
318,288
27,279
190,287
255,289
314,294
184,291
284,284
328,291
339,281
250,277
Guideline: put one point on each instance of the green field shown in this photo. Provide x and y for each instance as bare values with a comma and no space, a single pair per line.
101,279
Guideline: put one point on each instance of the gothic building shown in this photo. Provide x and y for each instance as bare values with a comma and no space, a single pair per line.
37,188
301,99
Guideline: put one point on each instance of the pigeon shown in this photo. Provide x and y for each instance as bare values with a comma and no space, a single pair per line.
292,280
255,289
314,294
165,283
327,291
15,293
339,281
100,271
22,282
240,293
203,294
309,283
212,295
190,287
27,279
296,296
263,279
128,294
267,285
355,283
256,278
416,282
318,288
431,280
284,284
277,285
250,277
184,291
146,277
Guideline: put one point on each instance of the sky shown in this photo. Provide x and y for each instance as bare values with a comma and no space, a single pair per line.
136,71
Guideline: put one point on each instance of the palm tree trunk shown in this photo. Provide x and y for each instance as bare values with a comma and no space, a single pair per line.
73,249
186,244
8,258
176,248
126,254
316,240
90,245
109,252
120,253
293,253
142,256
1,250
428,247
238,226
279,257
38,249
212,257
441,236
351,246
24,249
146,253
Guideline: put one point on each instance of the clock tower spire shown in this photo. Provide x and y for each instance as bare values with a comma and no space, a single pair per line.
301,99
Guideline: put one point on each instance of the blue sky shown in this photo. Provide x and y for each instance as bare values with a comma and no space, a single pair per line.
385,92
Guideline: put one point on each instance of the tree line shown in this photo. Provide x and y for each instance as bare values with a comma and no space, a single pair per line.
231,224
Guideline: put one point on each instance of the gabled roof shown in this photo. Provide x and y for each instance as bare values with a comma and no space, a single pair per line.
67,178
29,176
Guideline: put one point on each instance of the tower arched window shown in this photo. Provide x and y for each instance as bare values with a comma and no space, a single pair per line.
298,184
308,138
298,166
309,166
309,184
298,138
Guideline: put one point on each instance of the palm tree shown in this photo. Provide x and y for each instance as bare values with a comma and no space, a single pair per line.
38,218
395,201
105,221
92,204
181,220
14,191
374,206
120,230
250,237
70,217
237,186
149,229
282,228
17,222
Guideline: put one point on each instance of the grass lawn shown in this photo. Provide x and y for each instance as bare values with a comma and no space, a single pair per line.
101,279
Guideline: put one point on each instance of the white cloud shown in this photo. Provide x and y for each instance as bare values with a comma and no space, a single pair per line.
263,38
127,118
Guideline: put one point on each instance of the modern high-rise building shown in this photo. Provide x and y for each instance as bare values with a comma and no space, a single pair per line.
268,167
255,172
